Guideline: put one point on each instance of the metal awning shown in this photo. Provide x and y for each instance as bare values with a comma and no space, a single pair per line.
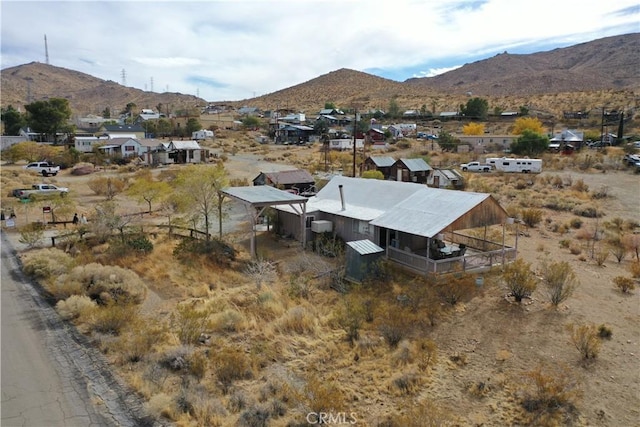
263,196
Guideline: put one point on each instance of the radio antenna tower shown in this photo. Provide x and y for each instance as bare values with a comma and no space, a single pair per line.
46,50
124,77
151,86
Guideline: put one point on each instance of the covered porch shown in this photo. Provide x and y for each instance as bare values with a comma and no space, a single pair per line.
459,252
432,233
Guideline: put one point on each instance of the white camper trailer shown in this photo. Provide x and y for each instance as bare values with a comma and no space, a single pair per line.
201,134
507,164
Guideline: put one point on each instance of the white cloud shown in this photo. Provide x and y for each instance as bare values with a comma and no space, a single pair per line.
436,71
229,50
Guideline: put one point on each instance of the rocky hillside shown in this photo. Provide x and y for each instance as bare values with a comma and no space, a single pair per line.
86,94
581,77
608,63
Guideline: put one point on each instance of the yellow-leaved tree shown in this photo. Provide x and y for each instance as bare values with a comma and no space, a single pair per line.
527,123
473,128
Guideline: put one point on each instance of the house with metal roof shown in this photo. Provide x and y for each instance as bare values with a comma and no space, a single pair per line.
179,152
125,147
427,230
379,163
410,170
297,181
445,178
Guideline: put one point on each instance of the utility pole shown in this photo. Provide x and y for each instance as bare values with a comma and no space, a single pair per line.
355,132
46,50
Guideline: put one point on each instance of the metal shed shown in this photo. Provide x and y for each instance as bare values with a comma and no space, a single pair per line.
361,255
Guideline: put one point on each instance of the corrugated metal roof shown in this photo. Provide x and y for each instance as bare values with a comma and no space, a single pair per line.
365,247
365,199
428,212
185,145
382,161
295,176
416,165
263,194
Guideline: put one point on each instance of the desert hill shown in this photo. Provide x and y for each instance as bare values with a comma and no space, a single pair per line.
608,63
581,77
86,94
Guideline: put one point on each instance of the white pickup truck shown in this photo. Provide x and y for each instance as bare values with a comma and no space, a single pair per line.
40,190
43,168
475,167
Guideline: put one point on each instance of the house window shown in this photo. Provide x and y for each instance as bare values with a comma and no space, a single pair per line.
360,227
129,148
310,219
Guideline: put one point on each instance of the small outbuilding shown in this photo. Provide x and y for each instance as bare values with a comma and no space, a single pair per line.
361,258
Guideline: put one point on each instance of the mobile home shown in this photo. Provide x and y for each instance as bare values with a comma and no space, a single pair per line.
507,164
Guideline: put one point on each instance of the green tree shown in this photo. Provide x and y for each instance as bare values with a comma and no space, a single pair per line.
321,127
447,141
49,117
200,192
250,122
146,189
329,106
29,151
476,108
193,125
394,109
13,120
530,144
164,127
106,113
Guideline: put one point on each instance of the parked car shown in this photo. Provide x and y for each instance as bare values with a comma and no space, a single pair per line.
40,190
43,168
475,167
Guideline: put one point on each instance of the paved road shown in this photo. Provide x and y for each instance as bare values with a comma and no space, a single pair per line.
49,376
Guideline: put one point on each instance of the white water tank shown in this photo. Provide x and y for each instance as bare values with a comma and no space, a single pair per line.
321,226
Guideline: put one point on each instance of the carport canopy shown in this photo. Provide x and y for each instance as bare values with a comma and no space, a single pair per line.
262,196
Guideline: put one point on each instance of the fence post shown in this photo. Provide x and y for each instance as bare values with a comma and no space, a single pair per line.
53,241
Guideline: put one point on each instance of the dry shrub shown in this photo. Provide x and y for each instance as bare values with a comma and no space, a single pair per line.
580,186
531,216
395,326
631,242
113,318
230,320
76,306
575,249
458,287
203,409
323,395
105,284
625,284
254,417
161,405
406,383
107,186
560,280
427,353
46,263
269,307
367,344
549,397
230,364
600,257
297,320
424,414
349,316
586,340
403,355
519,279
189,322
142,339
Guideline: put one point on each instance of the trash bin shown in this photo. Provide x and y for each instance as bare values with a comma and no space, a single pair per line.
479,281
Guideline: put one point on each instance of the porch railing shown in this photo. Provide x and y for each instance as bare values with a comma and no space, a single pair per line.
470,262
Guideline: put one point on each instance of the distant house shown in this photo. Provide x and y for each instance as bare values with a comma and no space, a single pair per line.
330,112
480,143
86,144
293,134
375,135
124,131
125,147
567,140
445,178
249,111
410,170
344,144
400,130
298,181
179,152
379,163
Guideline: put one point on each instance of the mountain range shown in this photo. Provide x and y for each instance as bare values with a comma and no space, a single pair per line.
579,77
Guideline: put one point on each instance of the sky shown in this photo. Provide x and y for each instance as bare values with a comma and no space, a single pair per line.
226,50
